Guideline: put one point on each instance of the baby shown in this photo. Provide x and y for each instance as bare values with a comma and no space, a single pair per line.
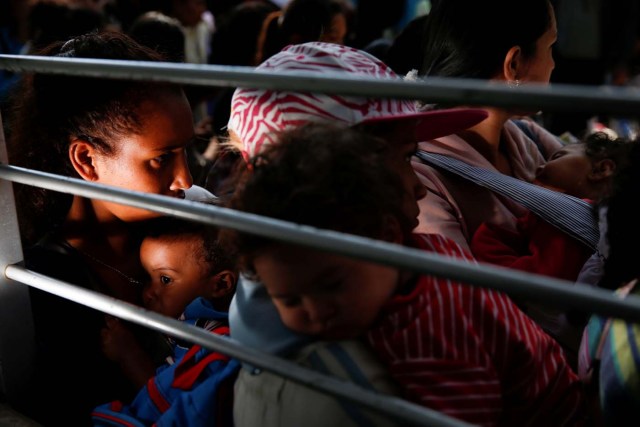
193,279
584,170
465,351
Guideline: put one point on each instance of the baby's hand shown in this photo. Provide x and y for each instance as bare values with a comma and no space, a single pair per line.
117,339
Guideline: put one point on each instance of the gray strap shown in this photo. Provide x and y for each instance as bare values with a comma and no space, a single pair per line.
567,213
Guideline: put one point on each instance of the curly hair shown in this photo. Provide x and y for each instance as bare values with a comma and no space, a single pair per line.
50,111
209,250
599,146
321,175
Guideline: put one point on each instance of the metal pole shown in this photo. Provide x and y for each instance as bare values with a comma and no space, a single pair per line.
544,290
447,91
17,347
387,405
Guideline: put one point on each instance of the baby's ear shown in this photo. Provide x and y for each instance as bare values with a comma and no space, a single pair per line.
602,169
223,283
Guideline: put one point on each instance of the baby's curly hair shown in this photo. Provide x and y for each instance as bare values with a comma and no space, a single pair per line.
325,176
212,255
599,146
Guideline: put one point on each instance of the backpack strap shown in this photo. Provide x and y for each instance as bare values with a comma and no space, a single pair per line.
189,369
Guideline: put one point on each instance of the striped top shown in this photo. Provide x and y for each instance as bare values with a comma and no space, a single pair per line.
472,354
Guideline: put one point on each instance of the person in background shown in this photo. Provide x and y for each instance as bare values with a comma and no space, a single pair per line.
160,33
494,40
303,21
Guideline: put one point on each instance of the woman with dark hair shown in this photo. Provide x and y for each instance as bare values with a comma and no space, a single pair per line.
127,134
497,40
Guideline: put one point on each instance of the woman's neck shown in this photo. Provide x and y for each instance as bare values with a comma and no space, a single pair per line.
486,138
108,245
87,226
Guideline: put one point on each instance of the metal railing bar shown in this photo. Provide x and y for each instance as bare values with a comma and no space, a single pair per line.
384,404
547,291
447,91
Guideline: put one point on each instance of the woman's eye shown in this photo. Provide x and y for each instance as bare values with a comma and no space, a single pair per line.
165,280
162,159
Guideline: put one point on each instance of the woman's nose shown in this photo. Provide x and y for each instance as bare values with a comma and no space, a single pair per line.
182,179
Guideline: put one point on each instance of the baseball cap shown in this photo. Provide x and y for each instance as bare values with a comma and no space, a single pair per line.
257,114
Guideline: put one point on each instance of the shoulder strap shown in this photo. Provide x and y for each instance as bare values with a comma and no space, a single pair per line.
567,213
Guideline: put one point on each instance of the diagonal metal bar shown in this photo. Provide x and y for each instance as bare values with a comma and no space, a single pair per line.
387,405
446,91
544,290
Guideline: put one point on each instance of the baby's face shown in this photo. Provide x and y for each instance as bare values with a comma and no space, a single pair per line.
324,295
176,275
567,171
402,147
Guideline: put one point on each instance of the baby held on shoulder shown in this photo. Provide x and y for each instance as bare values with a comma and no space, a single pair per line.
453,369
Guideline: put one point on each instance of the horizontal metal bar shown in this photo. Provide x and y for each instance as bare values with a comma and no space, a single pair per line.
388,405
447,91
535,288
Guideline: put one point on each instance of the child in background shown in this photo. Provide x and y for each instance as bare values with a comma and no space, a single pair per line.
584,170
193,279
465,351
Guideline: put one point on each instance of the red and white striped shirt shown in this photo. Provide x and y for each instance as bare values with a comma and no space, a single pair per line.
472,354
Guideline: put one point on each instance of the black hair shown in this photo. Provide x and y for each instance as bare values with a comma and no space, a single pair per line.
301,21
623,227
50,111
52,22
599,146
404,53
235,41
470,38
160,33
326,176
210,252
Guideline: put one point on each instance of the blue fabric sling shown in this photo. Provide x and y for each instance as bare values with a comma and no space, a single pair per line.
570,214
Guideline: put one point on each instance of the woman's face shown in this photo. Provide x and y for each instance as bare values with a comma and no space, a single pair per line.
539,66
153,161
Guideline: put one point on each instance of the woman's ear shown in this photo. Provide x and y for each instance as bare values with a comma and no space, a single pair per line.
602,169
82,156
223,284
513,66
